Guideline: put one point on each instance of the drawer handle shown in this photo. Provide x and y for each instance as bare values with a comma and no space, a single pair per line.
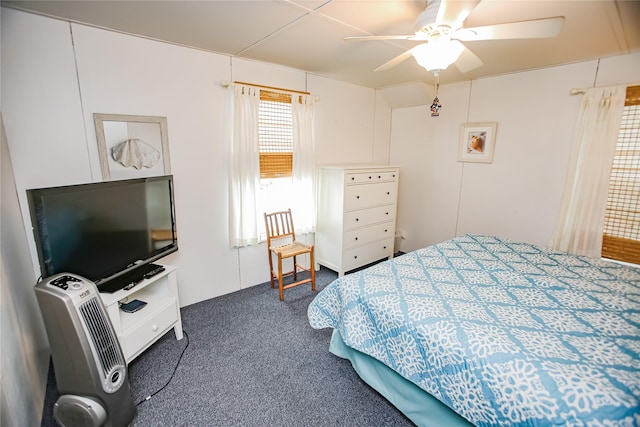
356,238
388,193
387,213
369,176
353,178
394,175
357,219
379,176
385,247
386,230
357,197
355,257
154,328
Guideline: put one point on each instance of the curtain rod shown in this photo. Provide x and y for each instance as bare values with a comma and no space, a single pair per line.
578,91
225,83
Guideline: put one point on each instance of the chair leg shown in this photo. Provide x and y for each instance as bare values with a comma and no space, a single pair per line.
312,270
271,274
280,284
295,268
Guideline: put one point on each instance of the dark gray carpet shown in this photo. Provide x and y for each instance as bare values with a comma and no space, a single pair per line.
251,360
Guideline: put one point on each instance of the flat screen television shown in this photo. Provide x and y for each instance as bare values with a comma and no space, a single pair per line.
108,232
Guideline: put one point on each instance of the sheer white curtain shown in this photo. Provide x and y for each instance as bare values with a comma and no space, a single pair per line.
244,166
304,163
581,221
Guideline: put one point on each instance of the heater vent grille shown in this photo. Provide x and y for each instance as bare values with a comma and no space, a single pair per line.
104,342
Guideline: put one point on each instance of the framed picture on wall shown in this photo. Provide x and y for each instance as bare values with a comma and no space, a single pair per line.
132,146
477,142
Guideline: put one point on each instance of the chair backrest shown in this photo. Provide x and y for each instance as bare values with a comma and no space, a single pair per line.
279,225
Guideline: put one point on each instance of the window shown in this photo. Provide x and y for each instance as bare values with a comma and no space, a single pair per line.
275,135
282,122
275,138
276,146
621,234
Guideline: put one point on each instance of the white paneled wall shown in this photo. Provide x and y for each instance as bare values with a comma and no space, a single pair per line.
24,349
41,105
245,70
382,131
519,195
429,175
120,74
344,122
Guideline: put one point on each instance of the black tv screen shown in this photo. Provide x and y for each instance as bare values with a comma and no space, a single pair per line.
104,231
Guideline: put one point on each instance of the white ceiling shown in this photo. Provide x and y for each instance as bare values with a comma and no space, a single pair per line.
308,34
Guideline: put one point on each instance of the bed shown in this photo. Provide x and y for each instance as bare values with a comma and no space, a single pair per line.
488,331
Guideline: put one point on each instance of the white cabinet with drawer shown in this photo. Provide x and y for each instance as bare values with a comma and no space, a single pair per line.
356,216
137,331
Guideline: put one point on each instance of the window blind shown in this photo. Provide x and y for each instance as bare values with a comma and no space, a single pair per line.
275,130
275,134
621,233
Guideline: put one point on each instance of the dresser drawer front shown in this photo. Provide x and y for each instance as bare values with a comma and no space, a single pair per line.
362,196
362,218
359,178
147,331
361,236
387,176
375,176
362,255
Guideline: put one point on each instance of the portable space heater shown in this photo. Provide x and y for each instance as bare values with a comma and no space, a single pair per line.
91,372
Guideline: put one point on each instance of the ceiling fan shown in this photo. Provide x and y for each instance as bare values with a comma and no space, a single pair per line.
440,27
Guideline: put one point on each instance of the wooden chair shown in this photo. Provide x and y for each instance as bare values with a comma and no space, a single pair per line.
279,226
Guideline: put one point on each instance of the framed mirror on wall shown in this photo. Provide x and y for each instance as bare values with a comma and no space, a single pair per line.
132,146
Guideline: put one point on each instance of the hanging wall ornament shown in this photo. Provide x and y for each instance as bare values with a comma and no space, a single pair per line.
135,153
436,106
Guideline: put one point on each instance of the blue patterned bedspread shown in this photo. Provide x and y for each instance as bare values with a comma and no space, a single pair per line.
504,333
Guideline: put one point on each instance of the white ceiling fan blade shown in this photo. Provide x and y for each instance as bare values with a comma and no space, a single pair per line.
453,13
395,61
468,61
538,28
367,38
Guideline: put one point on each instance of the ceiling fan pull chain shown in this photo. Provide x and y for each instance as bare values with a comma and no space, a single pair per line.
436,106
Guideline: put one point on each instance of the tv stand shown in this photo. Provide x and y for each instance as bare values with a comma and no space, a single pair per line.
131,279
137,331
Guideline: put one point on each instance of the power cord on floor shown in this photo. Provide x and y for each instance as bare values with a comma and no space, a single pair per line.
172,374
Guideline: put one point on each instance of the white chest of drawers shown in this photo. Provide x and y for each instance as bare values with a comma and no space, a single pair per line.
356,215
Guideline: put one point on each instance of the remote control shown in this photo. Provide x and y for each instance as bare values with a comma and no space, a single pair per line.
153,272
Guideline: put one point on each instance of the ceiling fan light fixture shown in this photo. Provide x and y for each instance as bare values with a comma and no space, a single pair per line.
438,54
